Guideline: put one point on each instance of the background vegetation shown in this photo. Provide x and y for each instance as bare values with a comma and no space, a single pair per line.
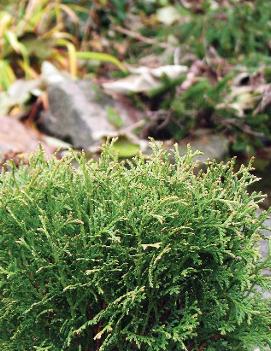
225,44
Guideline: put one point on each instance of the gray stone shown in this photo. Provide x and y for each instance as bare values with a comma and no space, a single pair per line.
75,115
264,250
267,236
78,110
213,146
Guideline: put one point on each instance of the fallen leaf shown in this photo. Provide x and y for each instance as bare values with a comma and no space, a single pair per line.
242,98
168,15
15,137
18,94
144,79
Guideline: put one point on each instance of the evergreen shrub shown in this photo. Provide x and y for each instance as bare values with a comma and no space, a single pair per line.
139,255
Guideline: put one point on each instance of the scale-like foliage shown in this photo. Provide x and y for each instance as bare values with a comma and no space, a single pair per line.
144,255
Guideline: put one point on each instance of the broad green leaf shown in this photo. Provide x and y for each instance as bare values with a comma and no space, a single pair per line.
98,56
114,117
125,148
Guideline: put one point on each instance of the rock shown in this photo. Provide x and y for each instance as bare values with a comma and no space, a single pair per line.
264,251
78,110
15,137
73,117
213,146
264,247
267,235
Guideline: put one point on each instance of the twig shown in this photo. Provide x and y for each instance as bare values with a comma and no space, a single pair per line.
139,37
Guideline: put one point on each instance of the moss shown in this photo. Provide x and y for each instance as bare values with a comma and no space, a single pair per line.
147,256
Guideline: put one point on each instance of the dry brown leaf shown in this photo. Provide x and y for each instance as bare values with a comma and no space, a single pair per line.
15,137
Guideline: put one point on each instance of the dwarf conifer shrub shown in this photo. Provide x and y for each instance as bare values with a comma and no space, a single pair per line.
144,255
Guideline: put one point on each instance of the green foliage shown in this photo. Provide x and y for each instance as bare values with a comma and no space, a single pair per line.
126,256
222,106
235,28
31,32
234,35
98,56
197,102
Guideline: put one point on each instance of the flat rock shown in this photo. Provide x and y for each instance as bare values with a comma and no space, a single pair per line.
264,250
213,146
73,117
267,235
15,137
78,110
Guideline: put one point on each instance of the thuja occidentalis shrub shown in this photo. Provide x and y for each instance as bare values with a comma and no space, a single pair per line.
135,255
